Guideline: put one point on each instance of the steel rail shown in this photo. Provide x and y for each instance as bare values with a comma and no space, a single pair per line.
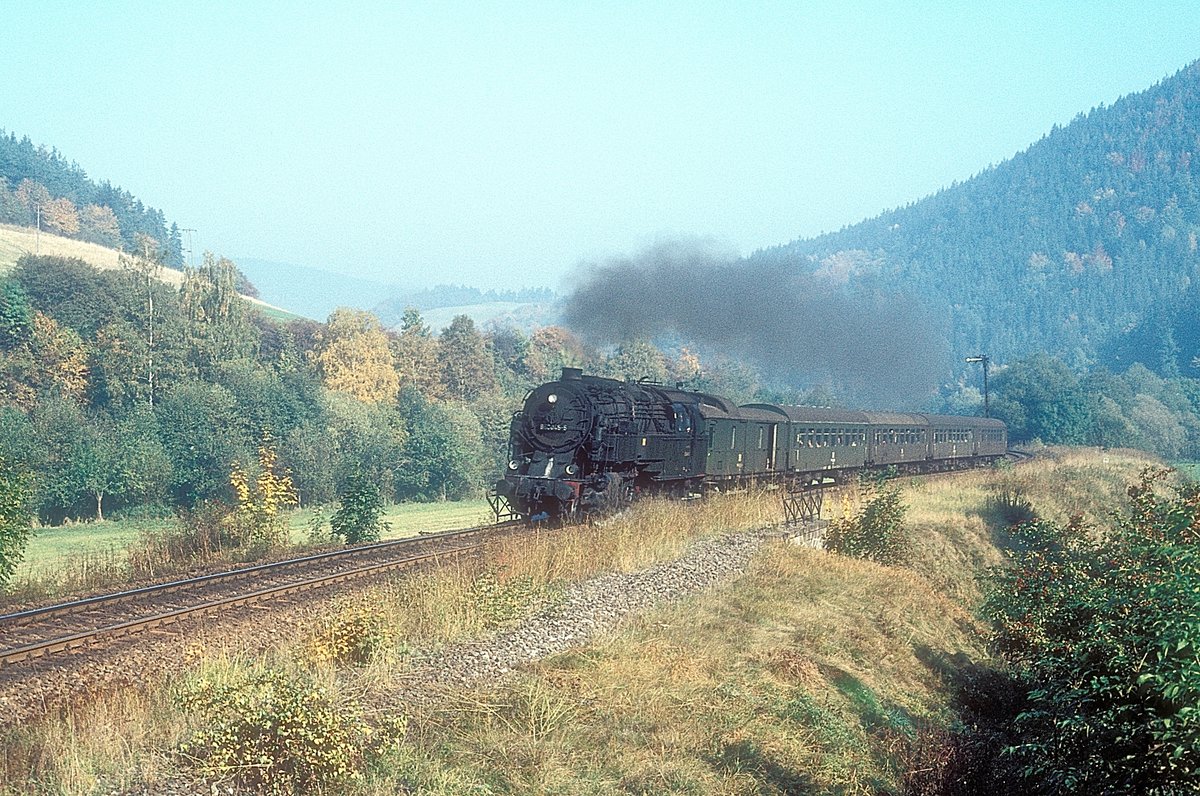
27,616
84,638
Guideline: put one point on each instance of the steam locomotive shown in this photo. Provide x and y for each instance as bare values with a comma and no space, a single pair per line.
587,444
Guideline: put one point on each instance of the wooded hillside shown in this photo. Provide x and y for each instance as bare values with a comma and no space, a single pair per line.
1083,246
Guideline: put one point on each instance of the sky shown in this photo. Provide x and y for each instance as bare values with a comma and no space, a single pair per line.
503,145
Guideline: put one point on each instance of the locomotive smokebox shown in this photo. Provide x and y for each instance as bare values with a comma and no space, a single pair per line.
572,374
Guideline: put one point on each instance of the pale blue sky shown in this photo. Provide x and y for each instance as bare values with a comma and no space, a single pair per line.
499,144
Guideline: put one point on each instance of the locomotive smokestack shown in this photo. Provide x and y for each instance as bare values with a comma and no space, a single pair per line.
571,374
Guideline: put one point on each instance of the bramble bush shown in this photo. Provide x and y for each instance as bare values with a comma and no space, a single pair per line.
1103,631
876,532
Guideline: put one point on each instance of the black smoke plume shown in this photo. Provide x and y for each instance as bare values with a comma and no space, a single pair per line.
881,348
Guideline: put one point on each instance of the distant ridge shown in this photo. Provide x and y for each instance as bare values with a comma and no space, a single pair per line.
313,292
1084,245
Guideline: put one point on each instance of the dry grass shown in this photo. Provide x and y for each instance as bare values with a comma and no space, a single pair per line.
814,674
811,674
16,242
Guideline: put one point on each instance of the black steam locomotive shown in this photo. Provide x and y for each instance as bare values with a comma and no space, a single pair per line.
587,444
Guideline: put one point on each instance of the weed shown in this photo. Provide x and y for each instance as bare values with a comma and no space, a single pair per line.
353,632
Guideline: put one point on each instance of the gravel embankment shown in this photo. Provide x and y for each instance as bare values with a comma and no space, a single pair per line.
588,608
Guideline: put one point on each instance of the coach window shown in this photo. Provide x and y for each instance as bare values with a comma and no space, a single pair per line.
733,438
762,437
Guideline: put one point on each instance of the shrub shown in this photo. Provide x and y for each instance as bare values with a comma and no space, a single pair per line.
876,532
256,518
1011,507
351,634
498,603
16,520
1104,631
275,732
359,515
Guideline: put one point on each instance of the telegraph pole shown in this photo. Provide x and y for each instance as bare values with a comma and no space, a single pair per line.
189,258
984,359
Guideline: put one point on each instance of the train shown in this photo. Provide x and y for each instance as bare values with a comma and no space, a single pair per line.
587,444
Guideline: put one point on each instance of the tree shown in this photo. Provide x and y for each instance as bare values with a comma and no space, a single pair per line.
16,521
551,348
216,314
98,224
146,268
444,453
15,314
415,353
95,465
61,216
70,291
367,438
510,347
57,424
637,360
467,367
355,358
203,437
32,195
61,357
1040,398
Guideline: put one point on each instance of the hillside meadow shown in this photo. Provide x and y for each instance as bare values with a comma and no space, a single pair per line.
810,673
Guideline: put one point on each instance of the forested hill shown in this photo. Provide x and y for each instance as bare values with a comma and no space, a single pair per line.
40,186
1084,245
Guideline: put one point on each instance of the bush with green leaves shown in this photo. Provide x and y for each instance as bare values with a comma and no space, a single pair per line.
275,732
16,519
360,511
876,532
1103,630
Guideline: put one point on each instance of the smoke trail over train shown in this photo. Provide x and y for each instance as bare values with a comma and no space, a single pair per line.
801,327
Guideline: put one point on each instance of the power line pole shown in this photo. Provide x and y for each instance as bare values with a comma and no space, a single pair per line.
984,359
189,259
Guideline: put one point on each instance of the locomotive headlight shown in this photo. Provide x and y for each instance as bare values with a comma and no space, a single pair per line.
514,464
552,398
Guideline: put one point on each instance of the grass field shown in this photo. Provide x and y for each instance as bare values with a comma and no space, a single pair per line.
405,519
95,555
16,242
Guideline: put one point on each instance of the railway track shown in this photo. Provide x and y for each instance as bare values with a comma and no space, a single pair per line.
56,629
52,630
